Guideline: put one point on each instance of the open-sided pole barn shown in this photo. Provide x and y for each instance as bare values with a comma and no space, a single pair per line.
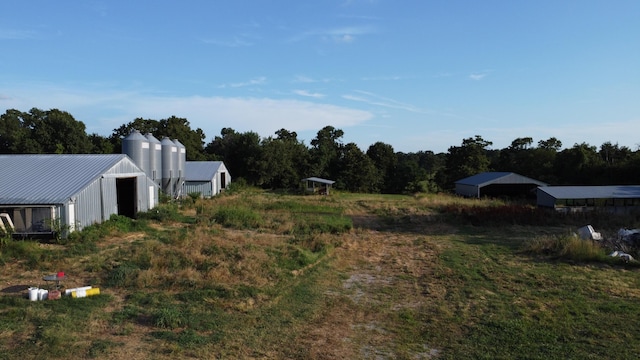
497,184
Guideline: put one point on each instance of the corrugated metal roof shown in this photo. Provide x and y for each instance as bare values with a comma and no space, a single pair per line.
486,178
50,178
593,192
201,170
319,180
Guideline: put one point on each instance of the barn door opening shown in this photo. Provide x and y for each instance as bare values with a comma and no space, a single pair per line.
223,180
127,197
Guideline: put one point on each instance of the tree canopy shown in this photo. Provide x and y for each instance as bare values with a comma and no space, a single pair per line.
280,161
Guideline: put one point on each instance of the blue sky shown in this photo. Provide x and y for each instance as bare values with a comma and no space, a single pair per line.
418,75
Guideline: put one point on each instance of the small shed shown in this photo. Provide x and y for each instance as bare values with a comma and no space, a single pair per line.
576,198
209,178
47,194
497,184
318,185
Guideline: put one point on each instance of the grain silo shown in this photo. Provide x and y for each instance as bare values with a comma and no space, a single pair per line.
155,159
181,160
136,146
169,166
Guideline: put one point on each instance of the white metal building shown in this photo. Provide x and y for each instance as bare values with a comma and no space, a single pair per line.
497,184
43,194
208,178
614,197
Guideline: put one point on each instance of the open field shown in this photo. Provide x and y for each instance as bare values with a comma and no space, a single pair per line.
257,275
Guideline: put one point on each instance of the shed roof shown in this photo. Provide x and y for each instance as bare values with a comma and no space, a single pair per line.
593,192
319,180
201,170
50,178
487,178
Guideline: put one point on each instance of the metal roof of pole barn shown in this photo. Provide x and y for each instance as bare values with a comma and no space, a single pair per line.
201,170
319,180
486,178
50,178
593,192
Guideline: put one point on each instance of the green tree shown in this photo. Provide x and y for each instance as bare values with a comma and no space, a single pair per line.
577,165
325,152
285,160
58,132
356,171
550,144
100,144
518,157
179,128
543,160
614,154
468,159
407,174
241,153
15,133
385,160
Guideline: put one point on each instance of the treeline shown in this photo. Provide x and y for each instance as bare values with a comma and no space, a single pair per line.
282,160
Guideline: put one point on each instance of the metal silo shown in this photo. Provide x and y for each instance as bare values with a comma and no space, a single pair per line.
136,146
169,167
155,159
181,159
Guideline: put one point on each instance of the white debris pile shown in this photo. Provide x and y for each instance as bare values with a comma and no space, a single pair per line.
626,243
587,233
622,255
630,236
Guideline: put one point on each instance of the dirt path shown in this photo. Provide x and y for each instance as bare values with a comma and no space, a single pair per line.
384,274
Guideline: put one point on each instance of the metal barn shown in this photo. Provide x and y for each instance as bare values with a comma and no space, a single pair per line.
497,184
618,198
43,194
208,178
318,185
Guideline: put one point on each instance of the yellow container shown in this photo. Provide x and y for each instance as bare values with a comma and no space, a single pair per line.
85,293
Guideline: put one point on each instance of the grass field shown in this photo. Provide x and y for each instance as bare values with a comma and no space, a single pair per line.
258,275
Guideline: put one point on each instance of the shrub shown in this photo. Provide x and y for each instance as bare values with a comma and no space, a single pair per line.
195,195
164,212
237,217
168,317
568,247
122,275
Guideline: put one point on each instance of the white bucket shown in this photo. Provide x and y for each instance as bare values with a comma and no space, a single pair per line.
43,294
33,293
69,291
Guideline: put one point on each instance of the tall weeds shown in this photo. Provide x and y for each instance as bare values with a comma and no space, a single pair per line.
569,247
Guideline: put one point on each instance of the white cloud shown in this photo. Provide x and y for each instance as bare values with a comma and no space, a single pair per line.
12,34
233,43
373,99
308,94
477,77
307,80
256,81
341,34
103,111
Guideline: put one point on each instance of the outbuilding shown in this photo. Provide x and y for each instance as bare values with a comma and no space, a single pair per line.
208,178
577,198
318,185
497,184
48,194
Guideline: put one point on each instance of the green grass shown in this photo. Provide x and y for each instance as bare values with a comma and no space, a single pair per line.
260,275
